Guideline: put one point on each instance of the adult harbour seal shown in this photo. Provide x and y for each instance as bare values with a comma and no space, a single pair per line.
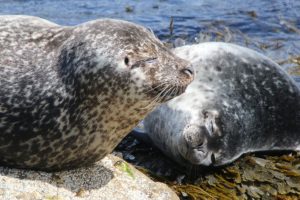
239,102
68,95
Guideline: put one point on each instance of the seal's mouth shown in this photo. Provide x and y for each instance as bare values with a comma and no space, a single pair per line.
201,159
162,93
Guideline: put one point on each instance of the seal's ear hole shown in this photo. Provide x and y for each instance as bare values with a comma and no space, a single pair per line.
126,61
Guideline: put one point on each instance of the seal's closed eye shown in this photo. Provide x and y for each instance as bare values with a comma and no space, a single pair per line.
142,63
200,145
150,60
213,159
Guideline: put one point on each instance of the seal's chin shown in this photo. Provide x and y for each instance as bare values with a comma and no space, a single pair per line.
163,93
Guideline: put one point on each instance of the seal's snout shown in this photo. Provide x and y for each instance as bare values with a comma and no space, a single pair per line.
195,137
195,140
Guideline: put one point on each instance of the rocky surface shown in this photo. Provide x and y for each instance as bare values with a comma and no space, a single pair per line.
110,178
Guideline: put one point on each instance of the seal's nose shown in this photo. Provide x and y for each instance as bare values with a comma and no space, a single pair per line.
189,71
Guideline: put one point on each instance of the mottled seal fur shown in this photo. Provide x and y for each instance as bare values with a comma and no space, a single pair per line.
68,95
239,102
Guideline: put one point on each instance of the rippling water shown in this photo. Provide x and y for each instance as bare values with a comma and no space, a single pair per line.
272,27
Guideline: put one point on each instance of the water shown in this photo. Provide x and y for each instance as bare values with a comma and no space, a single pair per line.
272,27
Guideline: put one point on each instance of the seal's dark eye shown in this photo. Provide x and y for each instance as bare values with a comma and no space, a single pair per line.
126,60
200,145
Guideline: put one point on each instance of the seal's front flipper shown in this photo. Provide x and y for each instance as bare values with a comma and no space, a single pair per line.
141,135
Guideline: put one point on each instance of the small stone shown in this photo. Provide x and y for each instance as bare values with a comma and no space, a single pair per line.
252,14
184,194
129,9
82,193
129,157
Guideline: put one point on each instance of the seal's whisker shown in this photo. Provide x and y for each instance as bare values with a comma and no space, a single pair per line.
160,85
169,92
153,88
154,100
173,90
177,90
161,94
181,89
166,93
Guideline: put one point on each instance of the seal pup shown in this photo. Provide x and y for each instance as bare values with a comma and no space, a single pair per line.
239,102
68,95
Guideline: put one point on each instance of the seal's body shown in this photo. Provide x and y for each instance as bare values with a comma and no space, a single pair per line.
68,95
239,102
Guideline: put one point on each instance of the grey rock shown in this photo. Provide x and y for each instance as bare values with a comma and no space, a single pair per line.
110,178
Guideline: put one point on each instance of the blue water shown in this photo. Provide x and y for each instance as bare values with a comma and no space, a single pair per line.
273,27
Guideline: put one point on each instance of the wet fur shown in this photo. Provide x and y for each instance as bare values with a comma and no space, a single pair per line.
239,102
67,97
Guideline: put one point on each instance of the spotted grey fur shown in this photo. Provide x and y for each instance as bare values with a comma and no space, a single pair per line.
239,102
68,95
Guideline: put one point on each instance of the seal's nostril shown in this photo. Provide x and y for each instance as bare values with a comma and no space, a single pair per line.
189,71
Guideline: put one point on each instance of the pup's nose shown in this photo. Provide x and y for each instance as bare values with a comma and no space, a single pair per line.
189,71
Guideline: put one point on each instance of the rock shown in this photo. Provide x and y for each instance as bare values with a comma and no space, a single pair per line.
110,178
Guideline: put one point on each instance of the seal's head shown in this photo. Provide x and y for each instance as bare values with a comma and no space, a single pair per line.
194,148
201,142
126,58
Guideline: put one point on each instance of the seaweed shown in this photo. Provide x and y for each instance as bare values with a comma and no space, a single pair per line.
251,177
